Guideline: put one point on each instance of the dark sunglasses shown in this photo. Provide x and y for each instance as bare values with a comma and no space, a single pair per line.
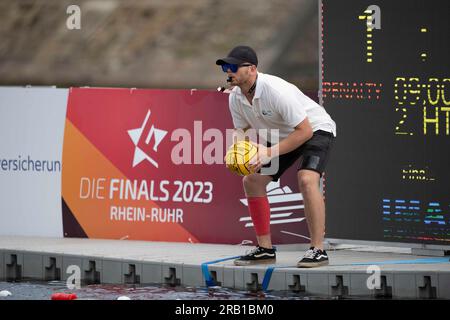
233,67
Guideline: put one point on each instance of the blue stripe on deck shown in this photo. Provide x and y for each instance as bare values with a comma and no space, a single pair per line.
415,261
268,273
208,279
267,277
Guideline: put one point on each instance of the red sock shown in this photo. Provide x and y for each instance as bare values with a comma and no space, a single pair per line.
260,212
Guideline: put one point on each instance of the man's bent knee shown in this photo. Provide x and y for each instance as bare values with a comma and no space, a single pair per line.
308,179
255,182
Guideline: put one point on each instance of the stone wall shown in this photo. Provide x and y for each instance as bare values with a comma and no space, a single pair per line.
154,43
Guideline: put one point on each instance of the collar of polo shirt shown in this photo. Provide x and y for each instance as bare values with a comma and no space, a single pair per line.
257,90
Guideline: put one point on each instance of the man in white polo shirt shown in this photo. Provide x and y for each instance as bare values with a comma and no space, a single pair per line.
306,134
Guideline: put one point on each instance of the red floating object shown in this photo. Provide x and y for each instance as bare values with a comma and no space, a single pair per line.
64,296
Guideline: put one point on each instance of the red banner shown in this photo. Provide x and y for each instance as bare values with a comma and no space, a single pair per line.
148,165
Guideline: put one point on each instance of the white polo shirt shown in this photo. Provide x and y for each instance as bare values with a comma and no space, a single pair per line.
277,104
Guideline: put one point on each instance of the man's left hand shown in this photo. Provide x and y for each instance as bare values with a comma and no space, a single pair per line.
262,157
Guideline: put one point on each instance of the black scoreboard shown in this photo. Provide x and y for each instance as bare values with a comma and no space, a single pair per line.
386,82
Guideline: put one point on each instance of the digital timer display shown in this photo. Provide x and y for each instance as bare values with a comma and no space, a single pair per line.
385,80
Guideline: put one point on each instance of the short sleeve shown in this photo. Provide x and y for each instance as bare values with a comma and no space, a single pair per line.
291,109
239,121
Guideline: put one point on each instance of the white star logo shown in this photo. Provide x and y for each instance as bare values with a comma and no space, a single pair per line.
135,135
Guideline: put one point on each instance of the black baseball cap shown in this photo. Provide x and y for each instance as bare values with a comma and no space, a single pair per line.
239,55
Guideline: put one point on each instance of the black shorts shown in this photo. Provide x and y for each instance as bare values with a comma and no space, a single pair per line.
313,155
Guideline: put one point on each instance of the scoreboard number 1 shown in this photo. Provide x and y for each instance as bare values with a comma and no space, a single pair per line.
372,15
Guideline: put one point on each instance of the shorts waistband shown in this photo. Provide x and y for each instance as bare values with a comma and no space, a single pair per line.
324,133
